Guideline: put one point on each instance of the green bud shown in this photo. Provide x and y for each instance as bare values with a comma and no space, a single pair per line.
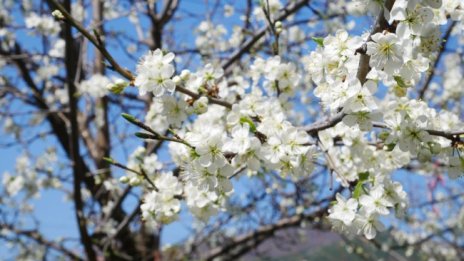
118,87
144,135
109,160
128,117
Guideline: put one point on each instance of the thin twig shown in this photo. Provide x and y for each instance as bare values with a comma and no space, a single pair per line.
431,73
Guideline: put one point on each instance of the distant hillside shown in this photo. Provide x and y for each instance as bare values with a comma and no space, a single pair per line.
314,245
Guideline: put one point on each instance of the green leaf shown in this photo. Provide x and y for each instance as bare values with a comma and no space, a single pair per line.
390,146
250,123
363,176
319,41
194,154
359,189
400,82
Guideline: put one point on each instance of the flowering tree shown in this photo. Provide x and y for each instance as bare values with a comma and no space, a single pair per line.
246,119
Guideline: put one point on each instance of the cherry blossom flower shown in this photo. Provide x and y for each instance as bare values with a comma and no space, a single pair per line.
154,73
385,52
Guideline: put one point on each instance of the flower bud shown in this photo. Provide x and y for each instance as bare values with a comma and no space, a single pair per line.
124,179
185,74
134,181
201,105
278,26
177,80
57,14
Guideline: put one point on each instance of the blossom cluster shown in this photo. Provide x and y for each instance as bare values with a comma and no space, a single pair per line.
226,123
154,73
43,24
398,59
162,204
27,178
256,134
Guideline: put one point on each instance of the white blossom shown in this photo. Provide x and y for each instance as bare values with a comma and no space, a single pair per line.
154,73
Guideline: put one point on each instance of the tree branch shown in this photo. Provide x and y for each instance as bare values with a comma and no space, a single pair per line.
253,239
451,135
286,12
363,70
70,20
34,235
380,25
78,173
431,73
